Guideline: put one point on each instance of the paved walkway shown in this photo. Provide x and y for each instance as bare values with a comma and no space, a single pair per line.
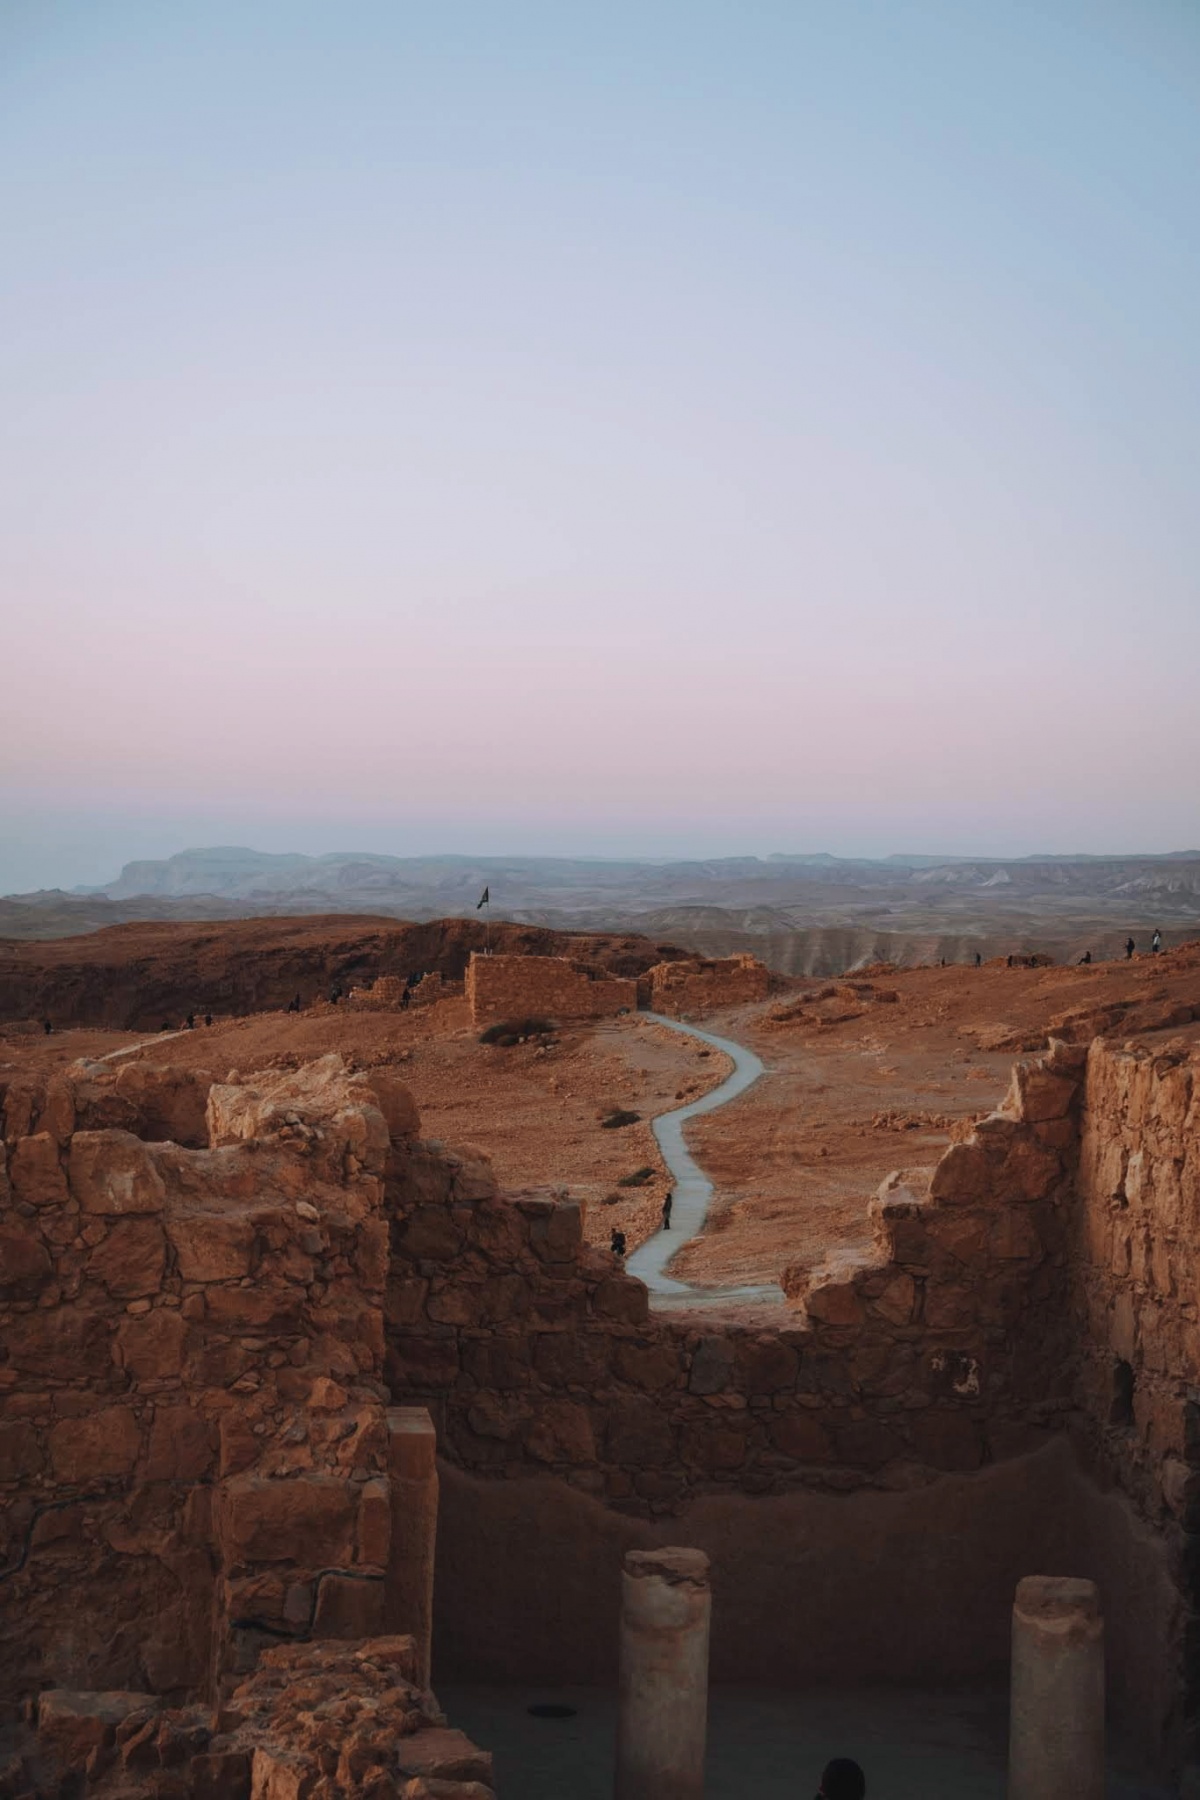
693,1189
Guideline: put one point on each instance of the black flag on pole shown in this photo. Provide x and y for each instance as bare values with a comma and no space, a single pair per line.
483,900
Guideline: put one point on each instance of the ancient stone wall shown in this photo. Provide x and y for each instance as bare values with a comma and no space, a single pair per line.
701,985
193,1428
931,1355
344,1719
517,987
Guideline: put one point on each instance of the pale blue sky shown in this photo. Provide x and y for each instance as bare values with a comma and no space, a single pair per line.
659,428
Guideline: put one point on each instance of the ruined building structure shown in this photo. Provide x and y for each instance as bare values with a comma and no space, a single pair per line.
213,1351
554,987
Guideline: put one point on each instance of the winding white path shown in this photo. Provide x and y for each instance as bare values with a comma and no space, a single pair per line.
693,1189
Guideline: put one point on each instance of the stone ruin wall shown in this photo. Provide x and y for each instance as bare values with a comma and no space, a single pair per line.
195,1373
702,985
197,1449
193,1426
386,993
516,987
537,1353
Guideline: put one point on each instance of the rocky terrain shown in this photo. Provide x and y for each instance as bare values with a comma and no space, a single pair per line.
137,976
863,1075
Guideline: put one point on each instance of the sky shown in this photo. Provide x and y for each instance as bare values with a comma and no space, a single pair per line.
712,428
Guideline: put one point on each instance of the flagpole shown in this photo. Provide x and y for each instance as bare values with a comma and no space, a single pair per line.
487,925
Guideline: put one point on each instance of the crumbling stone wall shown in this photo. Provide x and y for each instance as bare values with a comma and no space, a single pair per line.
702,984
931,1355
193,1430
515,987
340,1721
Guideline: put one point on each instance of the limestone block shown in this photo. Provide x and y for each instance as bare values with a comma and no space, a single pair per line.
443,1755
766,1366
1039,1094
129,1259
99,1447
70,1723
212,1246
151,1348
557,1236
561,1432
622,1297
309,1520
650,1366
35,1172
20,1451
395,1102
181,1445
349,1606
897,1299
113,1172
712,1366
24,1260
430,1233
963,1176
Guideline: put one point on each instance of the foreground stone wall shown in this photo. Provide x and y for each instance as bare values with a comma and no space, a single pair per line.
193,1428
702,985
515,987
330,1721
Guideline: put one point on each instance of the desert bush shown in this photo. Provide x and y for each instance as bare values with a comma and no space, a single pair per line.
507,1032
614,1120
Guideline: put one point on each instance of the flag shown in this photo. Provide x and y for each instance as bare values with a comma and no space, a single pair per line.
484,899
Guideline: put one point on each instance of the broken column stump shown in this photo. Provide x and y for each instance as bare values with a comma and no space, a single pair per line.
1056,1723
665,1607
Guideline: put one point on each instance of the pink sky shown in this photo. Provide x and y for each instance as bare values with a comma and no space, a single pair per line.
734,431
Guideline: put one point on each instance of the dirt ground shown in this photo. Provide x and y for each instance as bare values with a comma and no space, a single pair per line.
863,1076
535,1109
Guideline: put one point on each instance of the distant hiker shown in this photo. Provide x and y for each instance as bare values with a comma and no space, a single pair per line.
335,994
47,1027
1010,962
208,1018
406,999
942,964
978,959
842,1780
617,1242
1086,957
1156,943
1129,948
668,1203
191,1021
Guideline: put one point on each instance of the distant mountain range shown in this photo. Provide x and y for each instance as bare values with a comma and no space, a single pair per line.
805,912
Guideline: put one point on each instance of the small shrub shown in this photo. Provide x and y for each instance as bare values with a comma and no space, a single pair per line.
614,1120
507,1032
639,1178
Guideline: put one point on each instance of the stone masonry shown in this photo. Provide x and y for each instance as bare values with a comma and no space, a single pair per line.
700,985
552,987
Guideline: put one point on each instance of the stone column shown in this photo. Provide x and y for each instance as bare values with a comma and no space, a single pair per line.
412,1476
1056,1723
665,1604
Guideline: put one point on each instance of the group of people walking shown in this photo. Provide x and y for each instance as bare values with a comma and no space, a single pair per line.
617,1240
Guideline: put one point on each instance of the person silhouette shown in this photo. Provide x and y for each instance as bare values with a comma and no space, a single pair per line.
842,1779
668,1203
